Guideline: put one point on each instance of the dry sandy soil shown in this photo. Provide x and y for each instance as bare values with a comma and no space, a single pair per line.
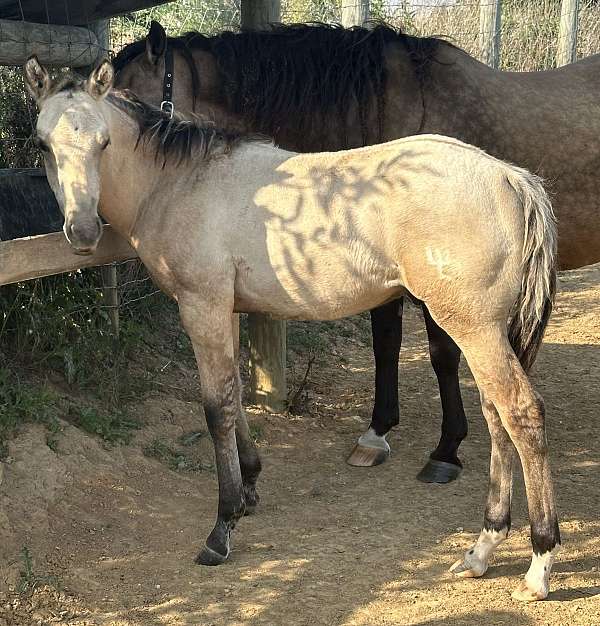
330,544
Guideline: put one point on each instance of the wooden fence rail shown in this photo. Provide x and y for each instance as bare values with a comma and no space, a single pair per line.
54,45
46,255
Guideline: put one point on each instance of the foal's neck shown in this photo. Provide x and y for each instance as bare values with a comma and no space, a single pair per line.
128,176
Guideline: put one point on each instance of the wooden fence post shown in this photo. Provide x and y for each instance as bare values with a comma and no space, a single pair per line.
267,337
354,12
490,16
259,13
566,51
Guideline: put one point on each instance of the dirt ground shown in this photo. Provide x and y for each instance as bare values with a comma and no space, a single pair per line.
330,544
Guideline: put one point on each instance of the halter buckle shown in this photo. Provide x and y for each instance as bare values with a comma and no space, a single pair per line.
167,106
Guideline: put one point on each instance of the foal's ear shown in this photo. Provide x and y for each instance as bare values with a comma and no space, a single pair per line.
100,80
156,42
37,79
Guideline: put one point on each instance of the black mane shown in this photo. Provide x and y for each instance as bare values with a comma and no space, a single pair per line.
296,72
174,137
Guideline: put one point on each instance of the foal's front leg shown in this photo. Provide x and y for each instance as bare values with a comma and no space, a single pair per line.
208,323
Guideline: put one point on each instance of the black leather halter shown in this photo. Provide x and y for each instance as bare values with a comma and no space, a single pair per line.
167,105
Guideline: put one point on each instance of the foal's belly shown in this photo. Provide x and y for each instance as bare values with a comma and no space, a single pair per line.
296,293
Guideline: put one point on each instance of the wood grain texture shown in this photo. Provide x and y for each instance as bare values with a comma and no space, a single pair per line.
45,255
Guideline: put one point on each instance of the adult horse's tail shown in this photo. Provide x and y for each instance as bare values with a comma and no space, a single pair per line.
532,309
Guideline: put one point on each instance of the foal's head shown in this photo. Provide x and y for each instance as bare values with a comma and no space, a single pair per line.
72,133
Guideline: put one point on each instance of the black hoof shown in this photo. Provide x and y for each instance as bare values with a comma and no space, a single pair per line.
209,557
439,472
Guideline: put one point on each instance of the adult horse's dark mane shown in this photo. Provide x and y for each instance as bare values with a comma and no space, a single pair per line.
300,71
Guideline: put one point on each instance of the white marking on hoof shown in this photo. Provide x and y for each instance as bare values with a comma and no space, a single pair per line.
371,439
370,450
536,585
475,562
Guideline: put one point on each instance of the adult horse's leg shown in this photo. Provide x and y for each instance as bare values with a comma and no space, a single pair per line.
250,464
502,381
444,465
207,321
386,325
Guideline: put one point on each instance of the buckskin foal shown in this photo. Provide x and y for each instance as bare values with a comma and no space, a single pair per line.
228,224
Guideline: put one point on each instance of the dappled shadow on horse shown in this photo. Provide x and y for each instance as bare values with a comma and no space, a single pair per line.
225,224
319,87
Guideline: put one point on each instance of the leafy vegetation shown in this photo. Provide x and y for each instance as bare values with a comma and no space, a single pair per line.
114,427
30,580
176,458
22,402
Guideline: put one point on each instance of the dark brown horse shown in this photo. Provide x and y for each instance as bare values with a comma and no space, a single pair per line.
320,87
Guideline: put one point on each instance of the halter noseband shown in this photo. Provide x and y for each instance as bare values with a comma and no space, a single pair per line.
167,105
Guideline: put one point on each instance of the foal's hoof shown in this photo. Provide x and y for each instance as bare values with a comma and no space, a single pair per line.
439,472
363,456
208,556
524,593
464,569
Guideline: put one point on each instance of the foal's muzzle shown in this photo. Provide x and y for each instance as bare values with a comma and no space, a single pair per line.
83,235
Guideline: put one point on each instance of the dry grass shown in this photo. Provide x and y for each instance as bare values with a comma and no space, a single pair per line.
529,32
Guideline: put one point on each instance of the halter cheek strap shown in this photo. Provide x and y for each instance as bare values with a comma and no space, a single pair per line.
167,105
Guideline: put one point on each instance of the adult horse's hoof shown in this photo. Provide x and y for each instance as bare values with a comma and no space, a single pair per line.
208,556
362,456
439,472
371,450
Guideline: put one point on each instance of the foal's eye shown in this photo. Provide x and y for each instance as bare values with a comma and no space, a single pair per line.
41,144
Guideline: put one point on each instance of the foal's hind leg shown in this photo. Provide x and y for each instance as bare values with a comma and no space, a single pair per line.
444,464
496,521
502,381
386,325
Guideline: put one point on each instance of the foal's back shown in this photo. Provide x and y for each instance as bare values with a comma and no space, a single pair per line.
330,234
